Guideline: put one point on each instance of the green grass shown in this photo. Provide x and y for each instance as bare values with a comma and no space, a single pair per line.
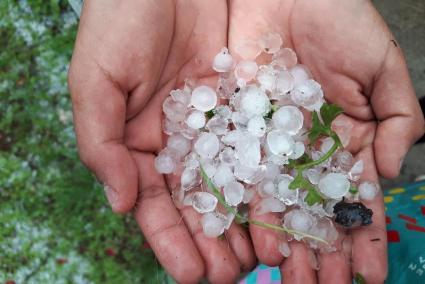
55,224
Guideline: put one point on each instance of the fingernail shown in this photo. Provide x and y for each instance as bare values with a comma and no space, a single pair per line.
401,164
111,195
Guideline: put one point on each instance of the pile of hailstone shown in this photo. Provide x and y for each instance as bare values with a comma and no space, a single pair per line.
251,135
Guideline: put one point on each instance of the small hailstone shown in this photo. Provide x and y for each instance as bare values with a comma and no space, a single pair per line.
229,220
284,82
344,160
174,111
299,150
204,202
232,137
233,193
248,151
189,133
334,185
285,58
227,156
191,161
246,70
213,224
223,111
300,74
248,195
188,199
284,249
181,96
254,102
209,167
248,49
289,119
204,98
266,76
368,190
239,120
266,188
226,85
307,94
280,143
326,145
283,193
171,127
249,175
207,145
223,61
223,175
272,170
179,144
356,170
269,204
190,178
165,162
299,220
313,175
343,128
270,42
257,126
195,119
217,125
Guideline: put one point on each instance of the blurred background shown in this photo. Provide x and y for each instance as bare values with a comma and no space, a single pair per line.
55,224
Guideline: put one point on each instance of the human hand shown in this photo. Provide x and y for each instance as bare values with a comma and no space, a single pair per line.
354,56
127,58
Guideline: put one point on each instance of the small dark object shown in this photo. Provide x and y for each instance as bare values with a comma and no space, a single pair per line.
375,240
351,215
237,89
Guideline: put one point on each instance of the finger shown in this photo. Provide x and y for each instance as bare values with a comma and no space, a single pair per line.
163,226
396,107
297,267
99,116
266,241
369,248
241,245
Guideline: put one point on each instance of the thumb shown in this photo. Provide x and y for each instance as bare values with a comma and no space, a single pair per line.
396,107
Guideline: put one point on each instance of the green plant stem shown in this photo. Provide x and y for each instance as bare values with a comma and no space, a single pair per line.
232,210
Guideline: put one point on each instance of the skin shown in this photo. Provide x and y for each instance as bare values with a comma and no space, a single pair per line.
127,58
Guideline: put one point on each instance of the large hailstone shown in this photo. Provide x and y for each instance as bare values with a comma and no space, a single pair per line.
307,94
195,119
280,143
179,144
207,145
248,151
233,193
223,61
299,220
203,98
368,190
289,119
283,193
254,102
334,185
204,202
213,224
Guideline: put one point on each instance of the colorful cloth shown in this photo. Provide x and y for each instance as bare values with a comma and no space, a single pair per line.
405,214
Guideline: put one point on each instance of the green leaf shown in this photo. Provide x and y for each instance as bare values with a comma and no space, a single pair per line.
359,279
209,114
297,182
353,189
313,197
329,112
317,129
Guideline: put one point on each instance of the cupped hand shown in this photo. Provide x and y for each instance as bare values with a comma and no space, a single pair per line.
128,56
352,53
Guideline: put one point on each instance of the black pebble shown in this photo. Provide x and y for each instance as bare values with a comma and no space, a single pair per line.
350,215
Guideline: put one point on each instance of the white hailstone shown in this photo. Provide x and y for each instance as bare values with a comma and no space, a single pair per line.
270,42
204,202
229,220
191,161
254,102
284,82
272,170
188,199
280,143
232,137
313,175
223,175
334,185
223,61
299,220
190,178
223,111
179,144
174,111
326,145
204,98
299,150
368,190
307,94
226,85
217,125
188,132
207,145
233,193
246,70
181,96
266,76
248,195
356,171
209,167
325,230
195,119
257,126
329,206
343,128
248,49
284,249
283,193
213,224
344,160
227,156
285,58
300,74
165,162
269,204
247,174
266,188
171,127
239,120
316,106
289,119
248,151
